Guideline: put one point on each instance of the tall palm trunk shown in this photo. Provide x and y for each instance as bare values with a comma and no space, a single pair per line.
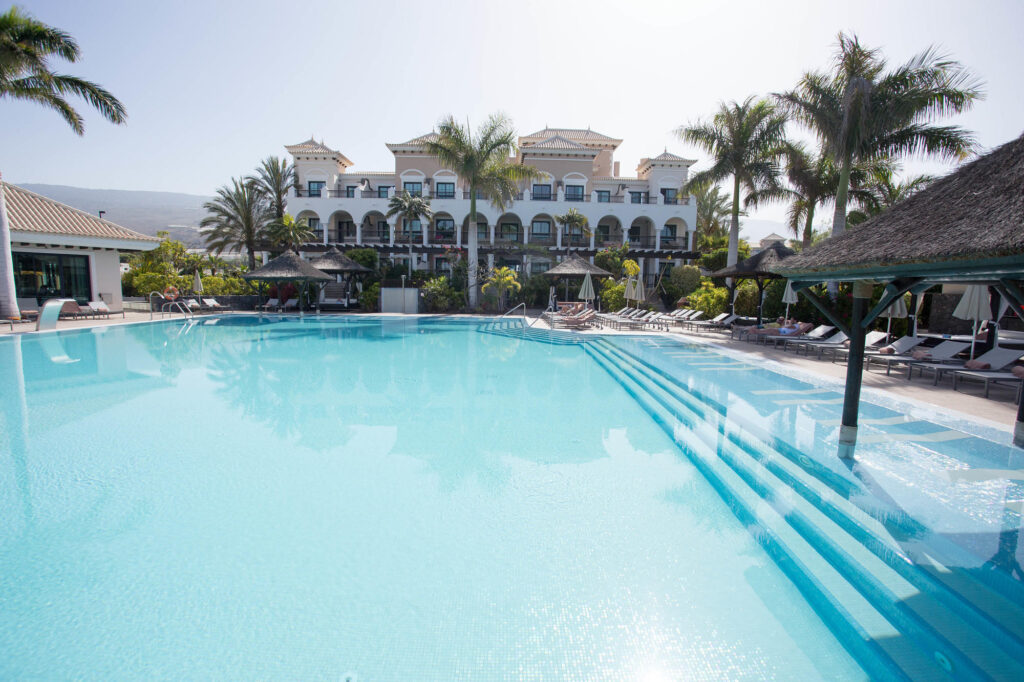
410,250
842,195
809,226
8,297
473,256
734,225
252,256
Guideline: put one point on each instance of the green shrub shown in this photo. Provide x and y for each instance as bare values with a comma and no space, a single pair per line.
709,298
439,296
613,295
144,283
369,300
611,259
686,278
717,259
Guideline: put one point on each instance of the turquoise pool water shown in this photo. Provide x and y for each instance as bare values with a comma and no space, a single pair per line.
415,498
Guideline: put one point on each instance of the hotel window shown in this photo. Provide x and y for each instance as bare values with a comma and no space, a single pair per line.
445,190
603,233
413,188
383,230
668,232
510,232
636,197
345,229
483,233
542,192
574,192
574,232
350,191
604,196
411,226
382,191
671,195
537,268
443,266
445,227
315,187
541,229
44,276
314,224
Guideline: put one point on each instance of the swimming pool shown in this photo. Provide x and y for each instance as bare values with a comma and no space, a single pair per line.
394,498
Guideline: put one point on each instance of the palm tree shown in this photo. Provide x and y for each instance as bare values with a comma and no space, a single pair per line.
409,208
502,280
26,46
238,219
289,233
713,209
744,141
273,178
484,162
573,221
862,112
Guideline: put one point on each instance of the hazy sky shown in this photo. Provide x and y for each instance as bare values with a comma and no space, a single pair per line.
211,87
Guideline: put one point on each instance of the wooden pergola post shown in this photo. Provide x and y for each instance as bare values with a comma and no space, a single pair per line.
854,372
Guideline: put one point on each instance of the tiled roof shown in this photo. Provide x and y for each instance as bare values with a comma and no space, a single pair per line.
30,212
556,142
415,142
574,134
312,147
668,156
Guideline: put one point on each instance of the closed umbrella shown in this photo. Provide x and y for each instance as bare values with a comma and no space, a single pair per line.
197,284
639,292
897,309
630,290
587,290
974,306
789,296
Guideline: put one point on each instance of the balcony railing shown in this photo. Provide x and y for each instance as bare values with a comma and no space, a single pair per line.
641,242
543,238
643,200
575,240
610,200
542,197
442,237
507,239
577,197
444,195
374,237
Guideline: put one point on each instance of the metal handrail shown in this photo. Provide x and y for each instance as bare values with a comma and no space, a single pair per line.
525,316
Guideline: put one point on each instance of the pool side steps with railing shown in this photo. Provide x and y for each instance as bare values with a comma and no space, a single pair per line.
854,545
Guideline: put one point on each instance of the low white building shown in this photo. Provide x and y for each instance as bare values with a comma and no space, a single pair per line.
62,252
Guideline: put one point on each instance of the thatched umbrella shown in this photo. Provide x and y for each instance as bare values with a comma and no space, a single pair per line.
288,267
335,262
574,266
758,268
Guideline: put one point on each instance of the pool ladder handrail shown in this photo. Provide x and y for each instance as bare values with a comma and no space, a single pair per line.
167,307
525,317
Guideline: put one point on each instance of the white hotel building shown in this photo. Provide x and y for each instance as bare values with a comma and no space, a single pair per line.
648,212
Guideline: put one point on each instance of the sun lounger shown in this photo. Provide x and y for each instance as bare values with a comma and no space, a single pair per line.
581,321
213,304
101,308
872,340
834,341
997,359
718,323
988,377
290,304
944,352
71,310
817,334
271,304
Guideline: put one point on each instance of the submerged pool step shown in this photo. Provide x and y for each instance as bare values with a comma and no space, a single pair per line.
867,559
974,598
858,625
517,329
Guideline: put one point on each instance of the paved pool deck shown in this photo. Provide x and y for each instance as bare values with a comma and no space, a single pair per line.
999,408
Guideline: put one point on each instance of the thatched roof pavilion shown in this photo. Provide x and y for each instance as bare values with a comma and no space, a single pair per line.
758,268
969,222
967,227
335,262
287,266
574,266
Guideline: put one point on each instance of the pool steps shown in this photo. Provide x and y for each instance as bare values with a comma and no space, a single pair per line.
898,619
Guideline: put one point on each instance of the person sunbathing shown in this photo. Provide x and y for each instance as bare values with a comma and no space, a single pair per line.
794,329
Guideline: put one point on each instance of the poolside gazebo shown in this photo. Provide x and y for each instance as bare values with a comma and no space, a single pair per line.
288,267
574,266
334,262
966,228
759,268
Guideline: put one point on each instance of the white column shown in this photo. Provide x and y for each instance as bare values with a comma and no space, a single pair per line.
458,235
657,236
490,261
558,235
526,234
426,229
689,239
359,233
391,234
560,194
490,228
593,237
327,230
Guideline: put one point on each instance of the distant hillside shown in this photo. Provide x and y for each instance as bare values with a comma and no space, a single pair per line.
145,212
